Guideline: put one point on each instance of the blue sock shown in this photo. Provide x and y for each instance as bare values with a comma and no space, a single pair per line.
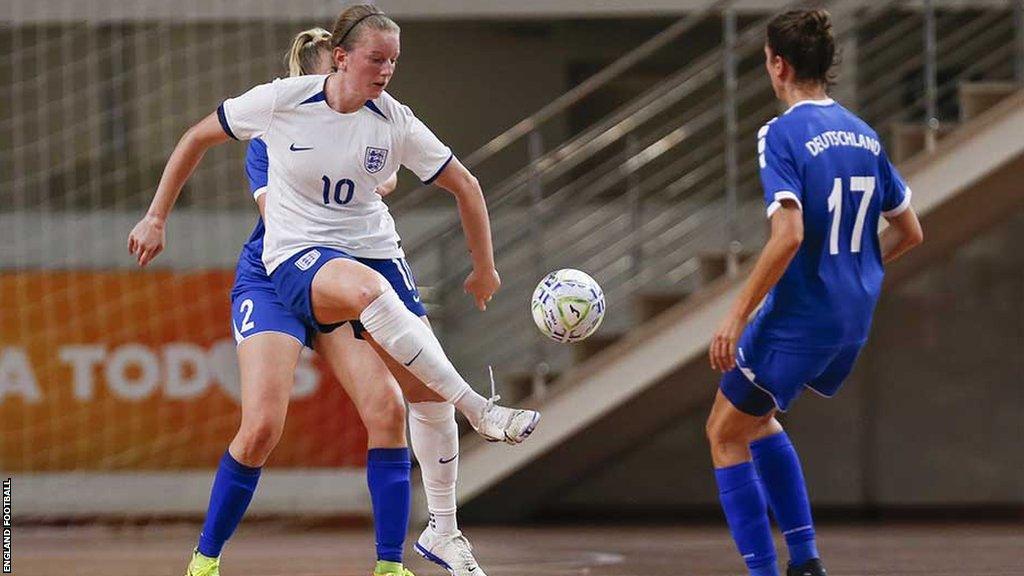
387,474
747,514
232,491
779,468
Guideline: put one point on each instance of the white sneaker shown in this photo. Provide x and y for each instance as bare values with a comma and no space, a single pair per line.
509,425
449,551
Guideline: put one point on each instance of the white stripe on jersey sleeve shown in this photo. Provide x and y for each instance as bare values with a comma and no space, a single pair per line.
779,197
762,134
902,207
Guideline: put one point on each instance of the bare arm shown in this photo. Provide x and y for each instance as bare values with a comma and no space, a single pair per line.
787,234
904,232
483,282
476,223
147,239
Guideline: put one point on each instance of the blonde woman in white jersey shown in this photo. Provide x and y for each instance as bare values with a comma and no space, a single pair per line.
270,338
330,141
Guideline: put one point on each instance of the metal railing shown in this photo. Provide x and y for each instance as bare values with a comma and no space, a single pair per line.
529,127
972,46
641,198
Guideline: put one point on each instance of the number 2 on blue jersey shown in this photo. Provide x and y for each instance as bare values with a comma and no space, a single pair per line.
337,190
246,308
864,184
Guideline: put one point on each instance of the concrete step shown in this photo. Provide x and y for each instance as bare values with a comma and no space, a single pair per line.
977,97
647,306
653,304
713,265
517,386
591,346
910,139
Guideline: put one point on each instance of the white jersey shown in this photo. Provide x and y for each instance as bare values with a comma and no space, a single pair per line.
324,166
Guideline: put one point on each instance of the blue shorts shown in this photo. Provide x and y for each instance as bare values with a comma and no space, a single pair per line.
256,309
293,281
766,378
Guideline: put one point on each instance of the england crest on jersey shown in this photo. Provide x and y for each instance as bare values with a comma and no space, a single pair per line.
375,159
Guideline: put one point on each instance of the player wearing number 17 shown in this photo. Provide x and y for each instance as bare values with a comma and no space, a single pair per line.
827,182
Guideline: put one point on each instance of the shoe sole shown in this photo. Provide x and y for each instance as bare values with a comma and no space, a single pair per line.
526,433
435,559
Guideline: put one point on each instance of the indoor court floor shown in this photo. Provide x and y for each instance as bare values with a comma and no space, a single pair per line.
284,550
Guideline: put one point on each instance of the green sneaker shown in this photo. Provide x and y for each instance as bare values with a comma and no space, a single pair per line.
391,569
203,565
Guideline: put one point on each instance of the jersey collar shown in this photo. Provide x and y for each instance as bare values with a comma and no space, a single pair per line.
824,102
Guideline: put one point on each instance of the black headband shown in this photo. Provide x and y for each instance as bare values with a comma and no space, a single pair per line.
353,26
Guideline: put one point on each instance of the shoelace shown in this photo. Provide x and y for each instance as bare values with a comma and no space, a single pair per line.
492,401
465,550
494,397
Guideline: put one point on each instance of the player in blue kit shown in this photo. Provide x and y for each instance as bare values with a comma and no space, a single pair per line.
827,182
331,142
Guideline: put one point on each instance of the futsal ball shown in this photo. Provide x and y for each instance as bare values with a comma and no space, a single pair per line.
568,305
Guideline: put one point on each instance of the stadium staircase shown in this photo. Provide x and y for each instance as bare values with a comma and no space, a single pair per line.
659,200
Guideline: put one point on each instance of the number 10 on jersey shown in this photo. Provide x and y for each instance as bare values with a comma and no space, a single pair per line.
343,183
864,184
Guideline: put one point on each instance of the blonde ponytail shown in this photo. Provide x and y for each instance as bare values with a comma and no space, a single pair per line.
303,56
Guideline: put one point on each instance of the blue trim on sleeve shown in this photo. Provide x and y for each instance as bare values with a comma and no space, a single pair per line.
318,97
224,121
369,104
439,170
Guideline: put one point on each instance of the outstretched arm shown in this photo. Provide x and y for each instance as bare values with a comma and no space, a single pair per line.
484,281
147,238
787,234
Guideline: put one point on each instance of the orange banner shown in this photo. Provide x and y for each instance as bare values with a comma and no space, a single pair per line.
137,371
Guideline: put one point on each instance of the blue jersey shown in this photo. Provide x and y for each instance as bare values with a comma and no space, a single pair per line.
250,269
831,163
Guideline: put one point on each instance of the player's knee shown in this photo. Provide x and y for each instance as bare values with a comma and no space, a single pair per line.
366,293
387,417
718,432
365,286
711,430
345,290
723,444
258,436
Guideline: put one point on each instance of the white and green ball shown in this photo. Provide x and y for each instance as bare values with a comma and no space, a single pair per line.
568,305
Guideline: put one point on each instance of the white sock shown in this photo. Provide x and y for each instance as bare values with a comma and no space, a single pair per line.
408,340
435,441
